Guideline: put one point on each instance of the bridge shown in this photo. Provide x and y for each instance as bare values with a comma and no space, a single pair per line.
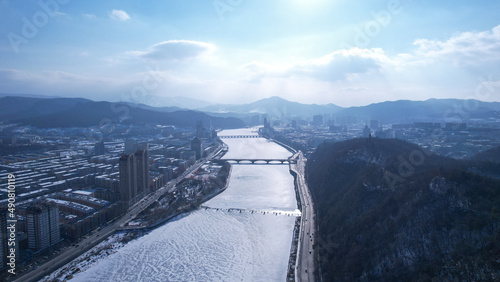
258,161
238,136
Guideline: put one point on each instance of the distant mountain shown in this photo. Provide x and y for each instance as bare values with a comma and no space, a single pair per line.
183,102
75,112
388,210
27,95
432,110
402,111
274,107
16,107
151,108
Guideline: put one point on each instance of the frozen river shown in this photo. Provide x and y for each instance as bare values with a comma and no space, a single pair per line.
214,243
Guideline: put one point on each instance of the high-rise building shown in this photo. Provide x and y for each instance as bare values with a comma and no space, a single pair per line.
99,148
266,123
196,146
134,173
43,226
374,125
318,120
142,167
199,129
366,132
128,177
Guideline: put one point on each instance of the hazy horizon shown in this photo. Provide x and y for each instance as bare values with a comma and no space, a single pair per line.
213,103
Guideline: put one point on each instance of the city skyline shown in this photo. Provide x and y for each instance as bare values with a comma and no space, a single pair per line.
241,51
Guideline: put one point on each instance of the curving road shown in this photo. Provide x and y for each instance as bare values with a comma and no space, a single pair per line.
305,260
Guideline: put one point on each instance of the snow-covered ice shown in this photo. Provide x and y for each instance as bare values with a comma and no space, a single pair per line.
258,187
205,245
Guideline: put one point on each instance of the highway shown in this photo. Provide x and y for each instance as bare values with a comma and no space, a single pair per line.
305,257
89,241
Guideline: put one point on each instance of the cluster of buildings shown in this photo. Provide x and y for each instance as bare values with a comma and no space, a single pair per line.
65,193
453,139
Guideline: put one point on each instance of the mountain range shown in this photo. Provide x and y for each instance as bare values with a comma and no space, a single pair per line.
275,108
402,111
77,112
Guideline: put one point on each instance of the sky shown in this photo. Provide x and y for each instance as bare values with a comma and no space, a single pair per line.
346,52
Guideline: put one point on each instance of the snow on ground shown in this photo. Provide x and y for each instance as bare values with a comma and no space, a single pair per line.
86,260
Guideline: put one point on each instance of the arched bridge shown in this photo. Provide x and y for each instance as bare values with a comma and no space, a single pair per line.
238,136
259,161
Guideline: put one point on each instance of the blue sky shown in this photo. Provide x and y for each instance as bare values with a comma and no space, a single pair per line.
234,51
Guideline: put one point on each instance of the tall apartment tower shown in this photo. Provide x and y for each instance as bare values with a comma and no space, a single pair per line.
142,166
99,148
128,177
196,146
199,129
134,173
43,226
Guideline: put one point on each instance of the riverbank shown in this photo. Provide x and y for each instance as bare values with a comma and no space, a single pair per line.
294,250
188,195
121,237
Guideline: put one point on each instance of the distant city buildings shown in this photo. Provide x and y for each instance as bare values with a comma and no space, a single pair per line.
318,120
196,146
366,131
99,148
267,130
68,185
200,130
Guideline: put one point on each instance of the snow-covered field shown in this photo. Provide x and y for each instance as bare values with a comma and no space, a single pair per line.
109,246
217,244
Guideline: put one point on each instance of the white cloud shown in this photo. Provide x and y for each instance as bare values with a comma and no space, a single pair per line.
89,16
355,89
342,64
335,66
119,15
176,50
467,48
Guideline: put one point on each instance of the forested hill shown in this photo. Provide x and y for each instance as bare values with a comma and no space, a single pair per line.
389,210
77,112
